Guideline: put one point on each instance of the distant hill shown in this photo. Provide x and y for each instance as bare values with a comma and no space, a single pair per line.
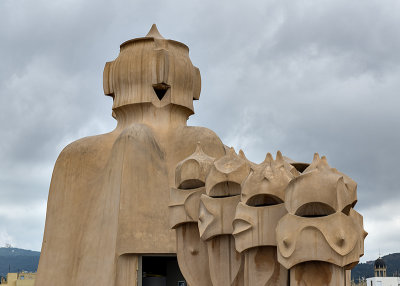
16,259
367,269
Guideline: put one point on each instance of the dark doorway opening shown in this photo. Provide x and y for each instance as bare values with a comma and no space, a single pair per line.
161,271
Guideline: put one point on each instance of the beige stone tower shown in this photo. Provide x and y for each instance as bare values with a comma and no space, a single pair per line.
155,188
380,268
109,194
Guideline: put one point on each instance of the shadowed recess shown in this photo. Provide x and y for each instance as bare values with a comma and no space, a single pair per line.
191,184
346,209
315,209
300,166
225,189
262,200
160,89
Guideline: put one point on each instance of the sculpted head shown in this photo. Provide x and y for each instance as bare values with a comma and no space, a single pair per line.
152,70
320,190
266,183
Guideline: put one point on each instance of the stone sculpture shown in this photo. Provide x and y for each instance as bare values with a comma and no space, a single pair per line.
157,186
216,214
105,188
190,177
322,235
257,215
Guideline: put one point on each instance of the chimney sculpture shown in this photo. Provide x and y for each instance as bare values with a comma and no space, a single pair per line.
216,214
257,215
155,186
322,235
109,194
190,178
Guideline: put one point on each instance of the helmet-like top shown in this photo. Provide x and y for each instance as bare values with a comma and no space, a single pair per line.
153,70
379,263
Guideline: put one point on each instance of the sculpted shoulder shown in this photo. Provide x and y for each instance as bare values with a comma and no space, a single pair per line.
90,151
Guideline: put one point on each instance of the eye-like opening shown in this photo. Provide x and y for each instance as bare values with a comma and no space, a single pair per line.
191,184
225,189
300,166
161,89
315,209
346,209
262,200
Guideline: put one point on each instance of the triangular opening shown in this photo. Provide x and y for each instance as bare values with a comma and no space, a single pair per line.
160,89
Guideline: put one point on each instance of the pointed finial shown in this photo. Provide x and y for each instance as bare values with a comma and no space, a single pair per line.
231,151
154,33
324,161
243,156
279,156
268,158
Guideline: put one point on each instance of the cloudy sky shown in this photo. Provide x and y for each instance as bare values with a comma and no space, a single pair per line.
296,76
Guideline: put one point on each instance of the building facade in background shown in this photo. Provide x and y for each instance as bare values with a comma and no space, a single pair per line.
19,279
380,278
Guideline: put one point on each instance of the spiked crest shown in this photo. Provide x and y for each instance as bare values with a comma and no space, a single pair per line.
267,181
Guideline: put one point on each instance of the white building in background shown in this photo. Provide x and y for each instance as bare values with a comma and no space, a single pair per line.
380,278
383,281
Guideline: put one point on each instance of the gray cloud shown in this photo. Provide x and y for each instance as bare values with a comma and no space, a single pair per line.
300,77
